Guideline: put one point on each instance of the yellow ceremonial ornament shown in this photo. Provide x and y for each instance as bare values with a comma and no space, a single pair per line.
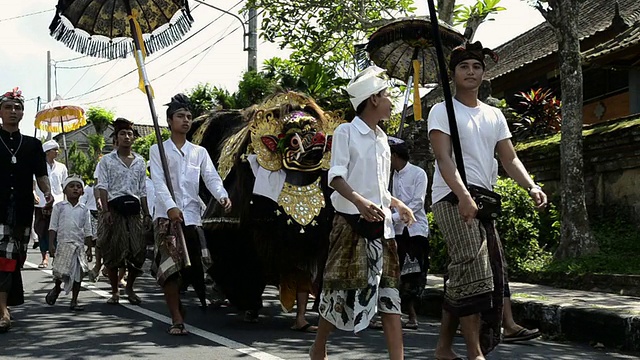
134,16
266,124
60,119
417,104
332,119
229,151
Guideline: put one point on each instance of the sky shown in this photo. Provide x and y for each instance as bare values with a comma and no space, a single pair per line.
88,81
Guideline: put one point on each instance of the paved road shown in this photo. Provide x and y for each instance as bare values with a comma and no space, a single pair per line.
125,332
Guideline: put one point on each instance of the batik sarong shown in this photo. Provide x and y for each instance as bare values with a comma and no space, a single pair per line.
13,253
121,243
168,255
475,274
70,264
361,278
413,252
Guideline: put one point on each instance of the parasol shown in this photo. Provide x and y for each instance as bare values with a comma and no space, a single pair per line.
58,117
115,28
405,48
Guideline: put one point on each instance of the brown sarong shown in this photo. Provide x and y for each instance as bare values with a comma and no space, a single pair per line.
475,274
121,243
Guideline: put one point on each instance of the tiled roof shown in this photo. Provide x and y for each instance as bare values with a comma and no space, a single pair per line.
539,42
625,39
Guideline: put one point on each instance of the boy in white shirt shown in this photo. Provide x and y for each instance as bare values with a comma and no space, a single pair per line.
70,227
187,163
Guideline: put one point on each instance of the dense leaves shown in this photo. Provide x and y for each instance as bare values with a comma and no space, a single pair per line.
143,144
539,114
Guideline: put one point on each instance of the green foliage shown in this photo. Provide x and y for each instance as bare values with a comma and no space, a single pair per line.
527,236
142,144
538,114
619,242
478,12
205,97
100,118
253,88
326,31
80,163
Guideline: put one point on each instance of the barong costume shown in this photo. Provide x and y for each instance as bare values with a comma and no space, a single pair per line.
72,225
475,278
121,242
21,158
361,275
186,167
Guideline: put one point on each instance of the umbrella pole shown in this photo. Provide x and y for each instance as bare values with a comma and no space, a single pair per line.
444,78
64,144
407,93
405,105
156,127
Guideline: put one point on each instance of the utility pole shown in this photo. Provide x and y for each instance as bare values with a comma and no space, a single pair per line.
35,131
253,39
48,76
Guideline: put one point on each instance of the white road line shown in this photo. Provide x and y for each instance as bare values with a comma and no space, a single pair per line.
220,340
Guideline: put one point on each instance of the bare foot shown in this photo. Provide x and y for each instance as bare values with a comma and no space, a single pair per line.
317,354
446,355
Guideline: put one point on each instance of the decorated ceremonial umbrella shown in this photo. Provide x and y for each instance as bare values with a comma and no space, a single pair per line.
116,28
405,48
58,117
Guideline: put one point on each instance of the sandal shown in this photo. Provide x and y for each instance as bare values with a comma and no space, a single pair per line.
522,335
52,296
306,328
114,299
42,266
177,330
412,325
251,316
5,325
76,307
132,297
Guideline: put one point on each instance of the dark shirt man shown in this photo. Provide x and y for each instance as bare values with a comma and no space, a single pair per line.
21,157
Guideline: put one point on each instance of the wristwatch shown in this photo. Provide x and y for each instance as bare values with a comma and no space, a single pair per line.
534,186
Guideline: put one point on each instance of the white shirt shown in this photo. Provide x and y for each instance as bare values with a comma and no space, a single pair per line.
410,187
268,183
88,199
186,166
71,223
57,173
151,196
480,129
363,159
119,179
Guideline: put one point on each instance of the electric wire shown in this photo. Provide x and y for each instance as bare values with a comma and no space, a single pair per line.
25,15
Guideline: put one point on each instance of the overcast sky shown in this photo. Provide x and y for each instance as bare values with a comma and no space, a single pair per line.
25,42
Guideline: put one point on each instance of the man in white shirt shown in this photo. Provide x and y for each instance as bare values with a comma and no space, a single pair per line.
187,163
474,288
410,186
121,182
363,261
57,173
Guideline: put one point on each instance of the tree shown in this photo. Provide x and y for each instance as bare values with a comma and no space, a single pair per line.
205,97
100,118
142,144
576,237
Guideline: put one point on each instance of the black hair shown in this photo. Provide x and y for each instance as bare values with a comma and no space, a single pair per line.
401,150
363,104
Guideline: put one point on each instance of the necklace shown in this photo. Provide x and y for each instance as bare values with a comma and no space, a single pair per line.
14,160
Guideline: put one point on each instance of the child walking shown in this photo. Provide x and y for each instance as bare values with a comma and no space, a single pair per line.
69,231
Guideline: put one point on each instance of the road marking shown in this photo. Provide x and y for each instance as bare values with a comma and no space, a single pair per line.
220,340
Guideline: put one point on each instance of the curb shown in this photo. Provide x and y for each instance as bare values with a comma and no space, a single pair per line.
619,330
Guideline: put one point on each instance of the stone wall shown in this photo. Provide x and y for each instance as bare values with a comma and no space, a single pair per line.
611,160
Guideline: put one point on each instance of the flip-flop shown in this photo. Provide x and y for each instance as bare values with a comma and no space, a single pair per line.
410,325
306,328
114,300
42,266
76,307
251,316
133,298
521,335
181,331
5,325
52,296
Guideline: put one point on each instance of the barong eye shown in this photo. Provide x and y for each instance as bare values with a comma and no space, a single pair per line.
295,142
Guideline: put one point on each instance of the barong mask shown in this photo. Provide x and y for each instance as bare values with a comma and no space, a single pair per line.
471,51
290,131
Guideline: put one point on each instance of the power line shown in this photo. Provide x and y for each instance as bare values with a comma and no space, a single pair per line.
165,73
25,15
76,83
157,57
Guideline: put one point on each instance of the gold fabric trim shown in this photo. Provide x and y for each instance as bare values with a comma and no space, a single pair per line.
302,203
266,124
332,120
229,150
199,134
